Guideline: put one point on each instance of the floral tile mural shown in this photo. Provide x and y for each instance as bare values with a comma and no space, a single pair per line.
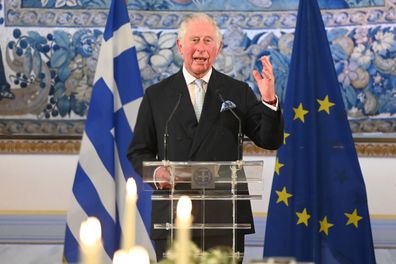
192,5
49,48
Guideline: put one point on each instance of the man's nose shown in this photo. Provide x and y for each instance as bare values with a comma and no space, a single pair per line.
201,45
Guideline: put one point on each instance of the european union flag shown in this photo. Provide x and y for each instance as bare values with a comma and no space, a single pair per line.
103,167
318,206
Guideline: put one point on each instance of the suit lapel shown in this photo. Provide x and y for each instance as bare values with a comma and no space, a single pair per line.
210,112
185,114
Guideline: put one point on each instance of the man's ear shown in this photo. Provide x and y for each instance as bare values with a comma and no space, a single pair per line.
179,46
220,47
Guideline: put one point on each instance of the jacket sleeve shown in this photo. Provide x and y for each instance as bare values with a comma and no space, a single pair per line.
263,125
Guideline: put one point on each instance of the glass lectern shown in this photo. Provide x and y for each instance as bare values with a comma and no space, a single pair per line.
218,190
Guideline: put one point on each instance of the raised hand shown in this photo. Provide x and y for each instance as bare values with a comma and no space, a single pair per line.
265,80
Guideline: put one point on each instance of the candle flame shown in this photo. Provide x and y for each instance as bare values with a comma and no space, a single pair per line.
184,207
131,187
122,257
139,255
90,231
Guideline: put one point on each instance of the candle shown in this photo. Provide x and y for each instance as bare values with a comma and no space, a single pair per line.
129,215
139,255
183,223
90,237
122,257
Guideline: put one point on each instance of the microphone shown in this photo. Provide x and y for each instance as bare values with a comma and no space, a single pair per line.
240,135
166,135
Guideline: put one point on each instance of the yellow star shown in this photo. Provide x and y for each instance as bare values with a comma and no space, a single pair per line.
325,104
353,218
300,112
324,226
285,135
278,165
283,196
303,217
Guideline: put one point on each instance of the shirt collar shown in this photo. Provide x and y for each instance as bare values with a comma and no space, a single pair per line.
190,79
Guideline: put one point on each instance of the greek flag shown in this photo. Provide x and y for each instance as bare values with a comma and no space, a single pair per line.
103,168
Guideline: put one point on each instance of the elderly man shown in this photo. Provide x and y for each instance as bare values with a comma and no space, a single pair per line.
198,130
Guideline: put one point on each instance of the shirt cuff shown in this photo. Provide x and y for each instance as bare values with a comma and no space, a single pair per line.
272,107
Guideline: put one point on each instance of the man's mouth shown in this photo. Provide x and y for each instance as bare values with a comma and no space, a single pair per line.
200,59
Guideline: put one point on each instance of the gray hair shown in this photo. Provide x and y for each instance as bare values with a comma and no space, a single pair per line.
198,17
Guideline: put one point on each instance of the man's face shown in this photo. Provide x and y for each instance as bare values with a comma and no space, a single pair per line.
199,48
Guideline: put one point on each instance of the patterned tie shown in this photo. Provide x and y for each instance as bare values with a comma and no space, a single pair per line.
199,97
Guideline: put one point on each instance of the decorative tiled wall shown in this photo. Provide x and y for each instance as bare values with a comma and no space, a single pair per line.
49,50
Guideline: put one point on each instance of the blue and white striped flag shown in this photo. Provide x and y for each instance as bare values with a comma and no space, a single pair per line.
103,168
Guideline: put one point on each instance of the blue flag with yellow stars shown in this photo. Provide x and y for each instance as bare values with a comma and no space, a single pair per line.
318,206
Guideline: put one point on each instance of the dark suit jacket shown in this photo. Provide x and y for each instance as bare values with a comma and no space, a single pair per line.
214,138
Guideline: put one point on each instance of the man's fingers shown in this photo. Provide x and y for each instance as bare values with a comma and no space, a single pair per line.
164,180
267,66
265,60
257,76
164,185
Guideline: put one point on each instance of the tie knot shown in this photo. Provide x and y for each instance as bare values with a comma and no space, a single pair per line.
199,83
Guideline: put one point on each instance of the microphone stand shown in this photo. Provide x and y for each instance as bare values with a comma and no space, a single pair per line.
166,134
165,160
234,177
